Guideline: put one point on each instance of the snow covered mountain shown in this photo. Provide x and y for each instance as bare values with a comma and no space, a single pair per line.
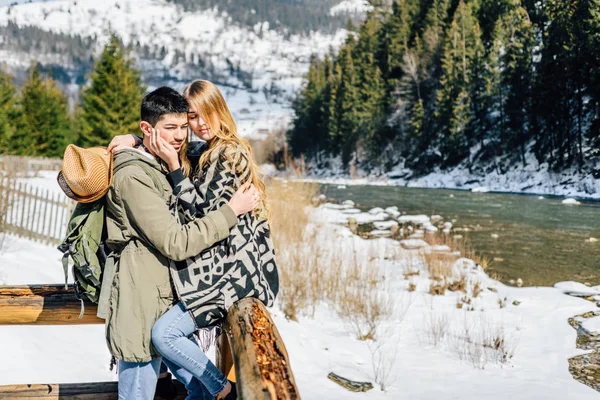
170,45
182,43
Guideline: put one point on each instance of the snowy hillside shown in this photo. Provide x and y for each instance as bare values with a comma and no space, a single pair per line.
180,42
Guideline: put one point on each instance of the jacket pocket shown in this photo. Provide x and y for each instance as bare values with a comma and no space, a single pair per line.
165,295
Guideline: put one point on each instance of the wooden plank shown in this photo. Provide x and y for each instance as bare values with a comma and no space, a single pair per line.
23,206
45,215
72,391
44,305
11,202
261,361
3,199
38,213
55,217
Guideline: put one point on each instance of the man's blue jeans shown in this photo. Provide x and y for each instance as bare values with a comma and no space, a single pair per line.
137,381
170,337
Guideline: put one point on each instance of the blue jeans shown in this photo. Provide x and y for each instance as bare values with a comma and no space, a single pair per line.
170,337
137,381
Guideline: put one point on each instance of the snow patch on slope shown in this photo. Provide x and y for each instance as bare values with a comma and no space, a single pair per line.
351,6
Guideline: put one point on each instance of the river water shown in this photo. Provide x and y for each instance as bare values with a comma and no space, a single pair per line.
541,241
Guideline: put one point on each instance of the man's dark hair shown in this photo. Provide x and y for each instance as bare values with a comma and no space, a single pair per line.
162,101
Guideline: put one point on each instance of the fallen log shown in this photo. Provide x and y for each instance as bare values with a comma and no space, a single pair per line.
43,305
260,358
352,386
72,391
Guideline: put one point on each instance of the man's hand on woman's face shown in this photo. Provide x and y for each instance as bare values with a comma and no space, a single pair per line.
164,150
121,142
245,199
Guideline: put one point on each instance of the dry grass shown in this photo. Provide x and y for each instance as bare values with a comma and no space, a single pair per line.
300,268
439,265
363,301
437,288
315,269
462,245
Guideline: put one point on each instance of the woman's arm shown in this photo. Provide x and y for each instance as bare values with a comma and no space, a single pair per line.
225,174
121,142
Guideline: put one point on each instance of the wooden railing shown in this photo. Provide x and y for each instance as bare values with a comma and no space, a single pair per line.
252,344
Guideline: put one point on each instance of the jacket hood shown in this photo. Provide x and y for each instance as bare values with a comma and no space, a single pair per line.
128,154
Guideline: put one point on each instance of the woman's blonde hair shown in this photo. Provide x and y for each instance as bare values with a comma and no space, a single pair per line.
209,101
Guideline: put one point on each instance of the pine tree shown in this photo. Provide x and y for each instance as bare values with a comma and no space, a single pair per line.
517,65
348,106
307,134
370,86
559,87
44,121
8,115
110,105
456,86
593,26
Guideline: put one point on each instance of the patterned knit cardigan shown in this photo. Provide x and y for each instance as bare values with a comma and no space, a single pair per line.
243,265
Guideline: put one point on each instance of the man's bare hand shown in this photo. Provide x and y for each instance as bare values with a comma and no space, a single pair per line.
164,150
245,199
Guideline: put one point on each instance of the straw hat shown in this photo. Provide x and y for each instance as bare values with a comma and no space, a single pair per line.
86,174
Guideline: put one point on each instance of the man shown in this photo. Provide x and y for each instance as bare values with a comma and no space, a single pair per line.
145,238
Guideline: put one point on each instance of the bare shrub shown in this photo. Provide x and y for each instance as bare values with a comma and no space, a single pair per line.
437,326
483,341
270,149
384,354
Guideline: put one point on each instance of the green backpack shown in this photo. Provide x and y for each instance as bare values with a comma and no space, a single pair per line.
84,243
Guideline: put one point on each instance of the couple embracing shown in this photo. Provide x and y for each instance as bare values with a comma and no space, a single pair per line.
189,236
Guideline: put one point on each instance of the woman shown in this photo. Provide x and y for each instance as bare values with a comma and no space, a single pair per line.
241,266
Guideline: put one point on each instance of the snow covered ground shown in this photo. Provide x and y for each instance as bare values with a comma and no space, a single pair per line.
429,343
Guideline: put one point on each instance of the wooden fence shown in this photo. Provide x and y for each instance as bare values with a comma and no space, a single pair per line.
33,212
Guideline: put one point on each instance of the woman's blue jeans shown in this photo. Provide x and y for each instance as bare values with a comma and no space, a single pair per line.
170,336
